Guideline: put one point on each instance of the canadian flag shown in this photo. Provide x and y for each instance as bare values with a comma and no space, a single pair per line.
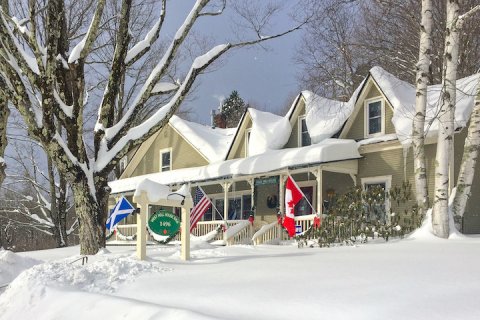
293,195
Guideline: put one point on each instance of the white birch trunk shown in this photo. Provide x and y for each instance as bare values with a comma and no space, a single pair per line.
418,133
469,161
440,218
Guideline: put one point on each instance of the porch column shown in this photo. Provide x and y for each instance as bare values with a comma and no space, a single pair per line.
226,186
281,179
319,175
252,189
142,227
185,253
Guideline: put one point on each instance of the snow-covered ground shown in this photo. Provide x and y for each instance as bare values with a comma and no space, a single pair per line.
402,279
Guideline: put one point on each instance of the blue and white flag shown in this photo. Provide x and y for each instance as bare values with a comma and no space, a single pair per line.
122,209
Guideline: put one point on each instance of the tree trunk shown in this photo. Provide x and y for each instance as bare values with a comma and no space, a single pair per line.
3,135
469,161
91,212
418,132
440,216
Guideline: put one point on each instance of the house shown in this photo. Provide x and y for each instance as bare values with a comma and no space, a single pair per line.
327,146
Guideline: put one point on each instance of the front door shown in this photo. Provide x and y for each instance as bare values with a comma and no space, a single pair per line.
303,208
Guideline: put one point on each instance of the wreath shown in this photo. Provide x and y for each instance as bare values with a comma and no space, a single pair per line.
272,201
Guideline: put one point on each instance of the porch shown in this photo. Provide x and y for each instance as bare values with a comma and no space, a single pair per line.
235,199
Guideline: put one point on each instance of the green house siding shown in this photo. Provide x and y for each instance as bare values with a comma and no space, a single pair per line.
238,146
183,154
293,140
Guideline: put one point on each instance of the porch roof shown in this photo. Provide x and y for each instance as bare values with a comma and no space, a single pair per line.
329,150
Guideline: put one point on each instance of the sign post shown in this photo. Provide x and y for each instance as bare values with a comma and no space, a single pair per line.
163,197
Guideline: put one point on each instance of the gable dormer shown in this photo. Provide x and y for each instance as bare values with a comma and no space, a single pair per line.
297,117
372,114
259,132
239,147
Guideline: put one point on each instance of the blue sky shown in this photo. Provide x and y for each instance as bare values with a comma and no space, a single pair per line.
265,77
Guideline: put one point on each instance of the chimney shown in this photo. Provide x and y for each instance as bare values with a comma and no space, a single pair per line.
220,121
212,118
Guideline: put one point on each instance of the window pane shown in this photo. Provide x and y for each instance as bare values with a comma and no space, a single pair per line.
374,125
374,109
306,141
247,206
377,211
166,161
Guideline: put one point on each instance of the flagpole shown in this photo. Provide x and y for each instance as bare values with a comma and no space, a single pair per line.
213,205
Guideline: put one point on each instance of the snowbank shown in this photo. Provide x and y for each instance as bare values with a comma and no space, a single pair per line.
12,264
401,279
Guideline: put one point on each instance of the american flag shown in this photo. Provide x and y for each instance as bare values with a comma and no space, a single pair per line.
201,204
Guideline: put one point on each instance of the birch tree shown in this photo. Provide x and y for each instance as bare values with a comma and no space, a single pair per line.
418,132
46,77
4,112
469,157
454,24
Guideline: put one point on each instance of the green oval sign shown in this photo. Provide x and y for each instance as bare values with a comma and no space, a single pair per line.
164,223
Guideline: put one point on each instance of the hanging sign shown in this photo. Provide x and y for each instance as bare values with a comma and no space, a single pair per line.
264,181
164,223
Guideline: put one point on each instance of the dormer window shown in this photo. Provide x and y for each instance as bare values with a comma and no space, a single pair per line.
303,135
165,160
248,132
374,117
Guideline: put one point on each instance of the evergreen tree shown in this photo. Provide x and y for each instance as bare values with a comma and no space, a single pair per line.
233,108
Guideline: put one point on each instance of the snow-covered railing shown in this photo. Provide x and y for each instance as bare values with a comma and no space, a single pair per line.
240,233
305,221
205,227
267,234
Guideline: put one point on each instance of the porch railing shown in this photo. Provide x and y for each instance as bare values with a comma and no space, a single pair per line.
240,233
237,231
268,234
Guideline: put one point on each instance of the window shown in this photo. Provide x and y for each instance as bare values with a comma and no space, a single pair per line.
239,208
165,160
123,164
247,140
384,183
374,117
303,208
303,135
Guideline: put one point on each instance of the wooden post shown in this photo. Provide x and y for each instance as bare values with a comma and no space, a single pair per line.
281,192
185,253
319,175
142,227
226,186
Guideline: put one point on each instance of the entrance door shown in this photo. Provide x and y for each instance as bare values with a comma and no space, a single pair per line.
303,208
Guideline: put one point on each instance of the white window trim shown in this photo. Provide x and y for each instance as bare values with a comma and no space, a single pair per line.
247,142
299,124
388,184
366,122
162,151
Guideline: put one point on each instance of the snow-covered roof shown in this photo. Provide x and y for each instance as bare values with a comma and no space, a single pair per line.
325,117
211,143
326,151
269,132
401,96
